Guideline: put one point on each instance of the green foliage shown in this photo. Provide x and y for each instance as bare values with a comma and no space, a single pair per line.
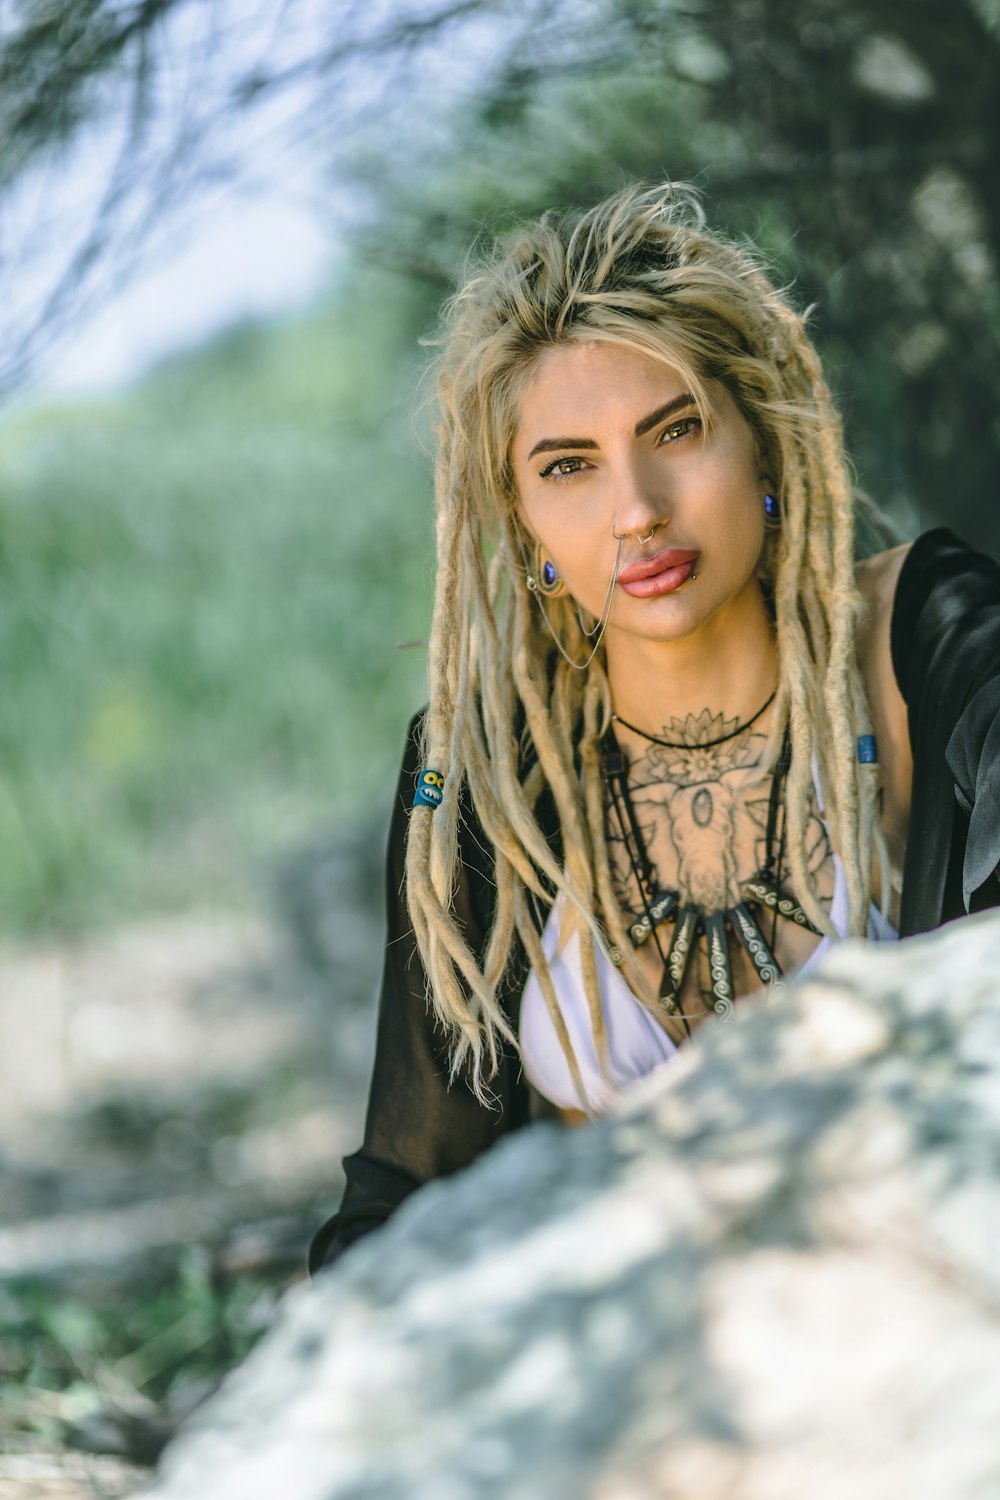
68,1353
847,141
202,584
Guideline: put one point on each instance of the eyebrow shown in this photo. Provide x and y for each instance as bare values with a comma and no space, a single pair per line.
553,445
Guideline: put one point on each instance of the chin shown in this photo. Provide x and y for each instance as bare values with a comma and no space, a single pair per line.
681,624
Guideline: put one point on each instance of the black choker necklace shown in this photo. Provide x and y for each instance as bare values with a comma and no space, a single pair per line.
702,745
762,891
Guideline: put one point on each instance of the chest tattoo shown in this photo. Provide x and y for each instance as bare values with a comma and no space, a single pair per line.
687,830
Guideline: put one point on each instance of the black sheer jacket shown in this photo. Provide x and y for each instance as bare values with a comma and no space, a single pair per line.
945,637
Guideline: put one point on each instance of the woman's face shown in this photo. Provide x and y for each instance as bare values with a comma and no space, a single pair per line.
609,437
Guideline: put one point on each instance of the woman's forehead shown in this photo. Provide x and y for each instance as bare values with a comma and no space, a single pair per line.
600,358
602,383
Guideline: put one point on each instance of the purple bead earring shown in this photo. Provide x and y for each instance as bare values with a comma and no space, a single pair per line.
546,578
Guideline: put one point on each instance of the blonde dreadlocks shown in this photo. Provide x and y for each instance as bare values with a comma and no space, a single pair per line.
638,270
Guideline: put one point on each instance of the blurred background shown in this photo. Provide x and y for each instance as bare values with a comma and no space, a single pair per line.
225,233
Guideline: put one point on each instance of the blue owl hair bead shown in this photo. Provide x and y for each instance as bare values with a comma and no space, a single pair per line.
430,788
867,751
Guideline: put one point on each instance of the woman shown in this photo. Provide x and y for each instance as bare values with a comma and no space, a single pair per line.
677,741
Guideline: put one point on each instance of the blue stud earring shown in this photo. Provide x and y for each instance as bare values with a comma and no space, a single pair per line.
546,578
772,511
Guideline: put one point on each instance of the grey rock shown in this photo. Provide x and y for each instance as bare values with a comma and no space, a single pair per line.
772,1273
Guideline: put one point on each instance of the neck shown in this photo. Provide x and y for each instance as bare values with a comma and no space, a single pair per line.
729,666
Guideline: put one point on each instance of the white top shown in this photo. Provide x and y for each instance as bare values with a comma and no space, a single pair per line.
637,1043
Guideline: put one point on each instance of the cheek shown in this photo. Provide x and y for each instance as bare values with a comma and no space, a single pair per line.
739,516
745,502
564,527
751,526
535,524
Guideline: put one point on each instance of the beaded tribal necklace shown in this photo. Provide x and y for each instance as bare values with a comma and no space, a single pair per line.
763,893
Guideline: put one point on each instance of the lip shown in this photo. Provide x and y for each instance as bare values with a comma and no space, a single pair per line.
660,574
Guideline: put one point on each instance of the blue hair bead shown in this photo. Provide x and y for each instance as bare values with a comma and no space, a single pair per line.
867,753
430,788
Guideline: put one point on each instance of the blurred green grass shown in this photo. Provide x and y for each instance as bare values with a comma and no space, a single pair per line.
202,584
115,1373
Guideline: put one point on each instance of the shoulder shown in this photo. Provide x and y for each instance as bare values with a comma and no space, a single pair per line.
930,618
924,603
878,581
912,594
877,578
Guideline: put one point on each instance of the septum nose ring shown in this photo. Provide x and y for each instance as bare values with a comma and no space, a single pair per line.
643,541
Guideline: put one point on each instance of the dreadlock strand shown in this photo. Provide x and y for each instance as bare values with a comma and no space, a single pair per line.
596,710
536,957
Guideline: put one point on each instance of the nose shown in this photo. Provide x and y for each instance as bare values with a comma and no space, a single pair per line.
640,504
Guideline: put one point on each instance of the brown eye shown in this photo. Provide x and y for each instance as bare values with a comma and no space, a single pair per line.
674,431
562,468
